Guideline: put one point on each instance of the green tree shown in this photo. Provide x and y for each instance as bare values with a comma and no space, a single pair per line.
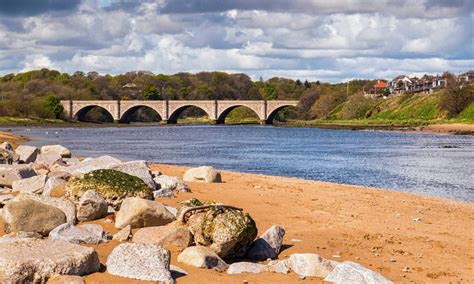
54,106
151,93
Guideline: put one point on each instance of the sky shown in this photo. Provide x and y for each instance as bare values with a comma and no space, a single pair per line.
330,41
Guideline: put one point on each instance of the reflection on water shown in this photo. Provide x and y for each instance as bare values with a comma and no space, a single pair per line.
439,165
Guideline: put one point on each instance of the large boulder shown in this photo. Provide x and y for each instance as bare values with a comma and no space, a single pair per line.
268,245
33,184
226,230
61,150
92,164
202,257
350,272
140,261
310,264
51,183
136,168
82,234
91,206
11,173
8,157
112,185
48,159
139,213
34,261
63,204
124,234
246,267
167,186
172,234
31,216
26,154
202,174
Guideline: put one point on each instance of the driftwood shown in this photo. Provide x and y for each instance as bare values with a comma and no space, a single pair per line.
204,207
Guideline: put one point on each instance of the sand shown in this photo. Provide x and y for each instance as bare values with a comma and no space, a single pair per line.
15,140
454,128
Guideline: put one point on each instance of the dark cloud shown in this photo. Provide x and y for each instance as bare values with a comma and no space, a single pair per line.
36,7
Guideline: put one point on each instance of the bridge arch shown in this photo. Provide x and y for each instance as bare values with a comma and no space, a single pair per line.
80,113
225,112
129,111
174,114
273,107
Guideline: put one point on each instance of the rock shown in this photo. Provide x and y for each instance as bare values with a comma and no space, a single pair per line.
48,158
8,157
93,164
138,169
63,204
31,260
33,184
202,174
112,185
23,235
167,186
6,146
66,279
246,267
31,216
71,161
123,235
268,245
350,272
82,234
51,183
172,210
279,266
139,213
11,173
228,232
60,174
177,271
171,234
26,154
91,206
202,257
58,149
140,261
4,198
40,169
310,264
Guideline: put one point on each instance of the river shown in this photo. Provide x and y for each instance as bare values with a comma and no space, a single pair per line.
437,165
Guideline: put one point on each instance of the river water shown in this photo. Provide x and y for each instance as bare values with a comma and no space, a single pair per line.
437,165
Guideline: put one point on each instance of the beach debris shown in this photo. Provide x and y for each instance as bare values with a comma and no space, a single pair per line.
167,186
27,154
140,261
172,234
91,206
139,213
63,204
202,174
52,183
81,234
138,169
351,272
246,267
31,216
34,184
33,260
310,264
202,257
112,185
268,245
58,149
124,234
11,173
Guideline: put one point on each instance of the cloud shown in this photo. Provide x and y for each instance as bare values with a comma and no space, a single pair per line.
36,7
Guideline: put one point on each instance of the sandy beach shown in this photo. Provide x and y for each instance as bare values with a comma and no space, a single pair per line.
408,238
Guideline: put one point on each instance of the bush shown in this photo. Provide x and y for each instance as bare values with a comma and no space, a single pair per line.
456,99
356,107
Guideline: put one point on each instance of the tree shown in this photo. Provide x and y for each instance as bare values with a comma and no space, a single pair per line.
54,106
151,93
456,98
307,85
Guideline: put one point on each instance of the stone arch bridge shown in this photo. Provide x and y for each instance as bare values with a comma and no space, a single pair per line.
170,110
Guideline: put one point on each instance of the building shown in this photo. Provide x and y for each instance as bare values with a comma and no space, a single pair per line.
427,84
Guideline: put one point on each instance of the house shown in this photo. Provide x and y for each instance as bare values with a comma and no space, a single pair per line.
467,77
426,85
400,85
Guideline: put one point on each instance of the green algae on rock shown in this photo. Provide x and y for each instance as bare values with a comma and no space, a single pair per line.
112,185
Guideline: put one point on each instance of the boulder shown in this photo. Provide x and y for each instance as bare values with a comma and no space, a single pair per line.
11,173
227,231
167,186
279,266
140,261
58,149
51,183
71,161
63,204
202,257
48,158
123,235
310,264
82,234
34,261
40,169
26,154
4,198
112,185
171,234
268,245
246,267
60,174
138,169
172,210
202,174
6,146
31,216
23,235
350,272
33,184
93,164
139,213
8,157
91,206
